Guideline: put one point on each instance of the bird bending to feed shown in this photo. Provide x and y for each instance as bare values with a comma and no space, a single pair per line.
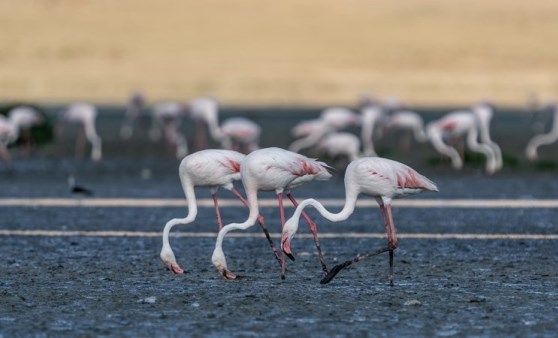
205,111
456,125
543,139
272,169
85,114
212,168
378,177
166,120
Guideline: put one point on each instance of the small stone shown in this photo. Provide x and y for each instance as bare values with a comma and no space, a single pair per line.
412,302
148,300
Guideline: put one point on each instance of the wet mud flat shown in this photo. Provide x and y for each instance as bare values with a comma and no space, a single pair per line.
92,286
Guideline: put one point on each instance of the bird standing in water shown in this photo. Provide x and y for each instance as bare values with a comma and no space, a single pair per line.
271,169
212,168
378,177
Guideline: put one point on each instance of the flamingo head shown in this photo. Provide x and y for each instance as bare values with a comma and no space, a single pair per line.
219,261
289,230
167,256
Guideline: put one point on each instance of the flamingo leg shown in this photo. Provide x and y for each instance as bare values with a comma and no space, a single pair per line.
217,211
385,210
80,143
261,222
314,230
201,136
282,213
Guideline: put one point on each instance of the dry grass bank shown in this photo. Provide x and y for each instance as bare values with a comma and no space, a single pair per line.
279,52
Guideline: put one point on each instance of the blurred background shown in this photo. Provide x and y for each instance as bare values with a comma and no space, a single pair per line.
250,52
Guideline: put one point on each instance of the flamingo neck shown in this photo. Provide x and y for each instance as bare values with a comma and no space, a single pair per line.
252,199
188,188
348,208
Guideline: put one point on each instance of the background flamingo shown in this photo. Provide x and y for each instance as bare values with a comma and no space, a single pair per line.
378,177
372,119
24,118
212,168
271,169
136,104
84,114
330,120
550,137
410,122
205,111
454,126
8,134
240,134
167,120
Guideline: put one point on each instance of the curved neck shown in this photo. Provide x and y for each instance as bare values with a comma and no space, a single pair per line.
192,208
252,198
348,208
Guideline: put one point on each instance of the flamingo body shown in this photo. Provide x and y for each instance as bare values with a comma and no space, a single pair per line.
208,168
380,178
268,169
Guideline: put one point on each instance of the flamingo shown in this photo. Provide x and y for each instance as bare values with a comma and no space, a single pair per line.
543,139
85,114
136,104
166,116
408,120
378,177
241,134
24,118
483,112
340,144
271,169
455,125
372,117
331,120
205,111
8,134
212,168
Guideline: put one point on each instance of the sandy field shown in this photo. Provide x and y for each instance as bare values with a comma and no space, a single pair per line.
251,52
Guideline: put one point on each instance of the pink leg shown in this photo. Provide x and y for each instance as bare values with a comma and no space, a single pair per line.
392,237
217,212
80,143
262,225
201,136
282,213
314,230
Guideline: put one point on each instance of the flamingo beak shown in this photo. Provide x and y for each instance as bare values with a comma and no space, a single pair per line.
286,246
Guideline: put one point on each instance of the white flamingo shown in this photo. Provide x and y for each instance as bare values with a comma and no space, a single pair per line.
340,144
550,137
205,111
241,134
24,118
372,119
330,120
271,169
166,120
84,114
136,104
8,134
409,121
212,168
378,177
454,126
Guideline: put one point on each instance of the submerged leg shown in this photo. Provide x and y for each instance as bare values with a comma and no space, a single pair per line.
314,230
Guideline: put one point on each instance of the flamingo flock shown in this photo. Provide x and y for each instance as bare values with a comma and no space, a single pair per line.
337,132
